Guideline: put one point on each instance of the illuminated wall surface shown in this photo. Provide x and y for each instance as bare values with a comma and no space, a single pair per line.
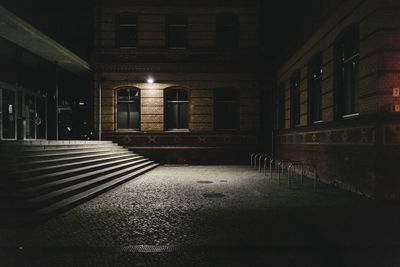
208,52
353,94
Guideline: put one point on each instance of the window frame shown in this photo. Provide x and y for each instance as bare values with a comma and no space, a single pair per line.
178,102
168,26
236,100
314,82
117,101
349,38
118,30
295,101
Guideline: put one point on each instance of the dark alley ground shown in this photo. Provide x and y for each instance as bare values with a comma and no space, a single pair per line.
212,216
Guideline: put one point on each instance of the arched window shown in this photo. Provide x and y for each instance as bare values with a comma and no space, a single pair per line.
346,72
128,108
176,108
226,109
126,30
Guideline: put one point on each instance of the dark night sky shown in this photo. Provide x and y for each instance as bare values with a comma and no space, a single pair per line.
285,23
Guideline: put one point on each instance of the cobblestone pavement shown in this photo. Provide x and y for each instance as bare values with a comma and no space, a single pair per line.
212,216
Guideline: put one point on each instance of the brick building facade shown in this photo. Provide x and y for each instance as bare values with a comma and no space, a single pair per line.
338,102
179,81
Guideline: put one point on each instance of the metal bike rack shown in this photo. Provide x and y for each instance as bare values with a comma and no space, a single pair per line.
251,158
270,159
257,157
264,155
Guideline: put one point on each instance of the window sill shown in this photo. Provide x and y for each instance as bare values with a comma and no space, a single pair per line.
177,131
127,130
318,122
350,116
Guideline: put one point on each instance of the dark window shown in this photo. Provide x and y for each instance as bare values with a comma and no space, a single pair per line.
315,88
227,31
295,99
282,106
128,108
177,31
346,72
176,109
226,109
126,31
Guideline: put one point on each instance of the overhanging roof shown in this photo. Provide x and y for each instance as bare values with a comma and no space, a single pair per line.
25,35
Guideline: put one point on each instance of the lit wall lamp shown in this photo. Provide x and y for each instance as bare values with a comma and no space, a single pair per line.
150,80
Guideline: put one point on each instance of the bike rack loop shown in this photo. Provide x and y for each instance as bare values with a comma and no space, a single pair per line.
251,158
259,161
269,158
255,159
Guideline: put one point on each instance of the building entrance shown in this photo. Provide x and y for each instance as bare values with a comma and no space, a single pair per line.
23,114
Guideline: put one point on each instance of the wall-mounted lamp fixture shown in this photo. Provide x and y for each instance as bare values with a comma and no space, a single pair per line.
150,80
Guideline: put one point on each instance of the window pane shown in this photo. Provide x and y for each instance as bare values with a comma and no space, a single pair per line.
182,95
226,109
282,108
295,99
127,36
172,116
133,116
183,116
123,95
177,31
227,36
127,30
134,94
122,116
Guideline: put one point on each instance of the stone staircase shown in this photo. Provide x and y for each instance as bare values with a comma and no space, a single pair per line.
43,178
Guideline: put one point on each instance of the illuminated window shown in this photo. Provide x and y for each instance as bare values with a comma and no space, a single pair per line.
177,31
315,88
227,31
282,106
126,31
295,99
128,109
346,72
226,109
176,109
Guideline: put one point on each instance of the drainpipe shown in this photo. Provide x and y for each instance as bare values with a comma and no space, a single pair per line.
99,110
56,63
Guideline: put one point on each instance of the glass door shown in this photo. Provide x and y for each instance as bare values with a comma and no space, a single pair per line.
8,116
30,116
41,117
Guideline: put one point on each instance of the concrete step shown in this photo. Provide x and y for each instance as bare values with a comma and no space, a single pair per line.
28,148
60,167
76,199
52,142
64,182
65,152
70,159
60,194
32,181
